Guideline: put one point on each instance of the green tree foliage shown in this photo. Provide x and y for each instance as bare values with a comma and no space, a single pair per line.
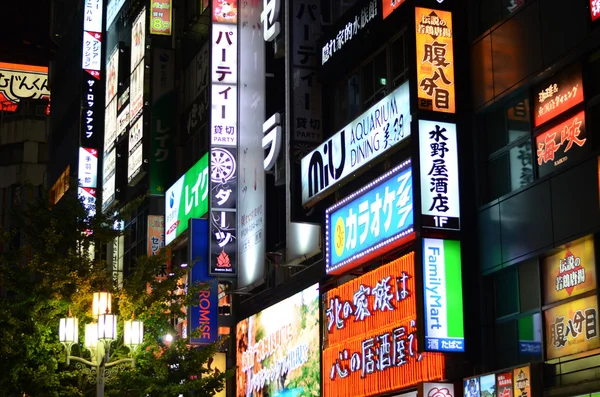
50,265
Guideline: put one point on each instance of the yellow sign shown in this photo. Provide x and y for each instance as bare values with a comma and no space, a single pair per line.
435,60
522,381
571,271
572,328
217,363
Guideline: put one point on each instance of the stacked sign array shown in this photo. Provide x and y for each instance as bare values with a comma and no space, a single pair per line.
371,342
110,130
224,139
515,382
135,158
91,102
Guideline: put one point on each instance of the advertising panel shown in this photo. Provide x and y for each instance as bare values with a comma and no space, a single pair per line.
488,385
442,286
91,105
135,148
136,99
356,26
110,125
186,199
561,143
92,51
379,129
471,386
156,242
123,120
370,343
112,10
225,11
435,60
370,221
278,348
108,178
134,165
522,381
21,82
88,167
251,184
572,328
138,40
204,317
161,17
428,389
112,75
571,271
595,9
438,151
164,110
557,94
504,384
390,6
223,243
92,15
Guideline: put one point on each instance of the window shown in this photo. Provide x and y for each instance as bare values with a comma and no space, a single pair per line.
505,144
493,11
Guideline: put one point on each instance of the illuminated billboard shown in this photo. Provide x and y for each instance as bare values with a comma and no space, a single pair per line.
19,82
557,94
371,336
88,167
572,328
138,40
376,131
442,288
435,60
278,348
570,271
370,221
185,199
161,17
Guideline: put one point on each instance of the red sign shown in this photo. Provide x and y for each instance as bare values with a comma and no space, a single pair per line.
389,6
504,384
557,94
558,144
595,9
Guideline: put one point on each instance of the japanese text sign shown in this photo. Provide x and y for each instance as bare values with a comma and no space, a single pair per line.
88,167
92,48
571,271
595,9
281,341
370,221
558,144
161,19
224,246
440,203
92,15
504,384
21,82
371,343
442,286
389,6
376,131
522,381
156,242
435,60
204,317
186,199
557,94
572,328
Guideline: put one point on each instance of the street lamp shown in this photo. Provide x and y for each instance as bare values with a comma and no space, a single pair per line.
98,338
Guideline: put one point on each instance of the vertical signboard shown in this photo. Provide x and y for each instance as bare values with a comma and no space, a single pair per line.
442,286
504,384
251,196
435,60
109,166
522,381
164,109
224,168
203,324
156,242
88,177
161,17
438,156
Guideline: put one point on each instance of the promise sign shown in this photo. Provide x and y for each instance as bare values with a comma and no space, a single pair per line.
442,286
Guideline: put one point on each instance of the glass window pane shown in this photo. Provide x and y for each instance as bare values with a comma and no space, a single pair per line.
494,135
497,177
398,57
354,101
521,165
517,119
529,285
367,80
380,70
506,288
506,344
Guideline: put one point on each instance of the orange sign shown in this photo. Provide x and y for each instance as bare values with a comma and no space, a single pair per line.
21,82
572,328
161,17
371,343
571,271
557,94
522,381
156,242
389,6
435,60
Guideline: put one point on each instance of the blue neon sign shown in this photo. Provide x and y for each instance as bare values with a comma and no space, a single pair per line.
369,219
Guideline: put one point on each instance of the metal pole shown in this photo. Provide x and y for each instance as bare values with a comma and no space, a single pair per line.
100,379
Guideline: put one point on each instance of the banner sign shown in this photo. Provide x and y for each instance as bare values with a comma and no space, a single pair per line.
379,129
522,381
19,82
371,343
281,342
557,94
370,221
161,17
186,199
557,144
442,285
571,271
438,156
471,387
435,60
504,384
572,328
205,316
488,385
156,242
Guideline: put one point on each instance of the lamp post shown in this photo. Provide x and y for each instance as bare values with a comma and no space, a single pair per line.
99,336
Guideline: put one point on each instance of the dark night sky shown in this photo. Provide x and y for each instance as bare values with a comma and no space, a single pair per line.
25,32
